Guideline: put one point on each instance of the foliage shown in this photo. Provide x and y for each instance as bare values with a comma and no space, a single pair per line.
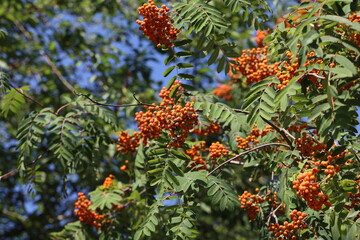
276,159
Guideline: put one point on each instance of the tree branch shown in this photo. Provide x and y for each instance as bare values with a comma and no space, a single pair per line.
231,160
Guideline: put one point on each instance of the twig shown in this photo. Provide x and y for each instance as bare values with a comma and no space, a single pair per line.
272,213
246,152
285,134
116,105
28,97
57,72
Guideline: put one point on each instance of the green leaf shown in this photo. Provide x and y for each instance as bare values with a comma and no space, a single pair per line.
182,42
175,168
168,71
185,76
346,63
184,65
180,155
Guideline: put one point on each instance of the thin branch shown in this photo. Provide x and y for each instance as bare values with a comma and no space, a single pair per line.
315,75
116,105
9,174
62,107
27,96
272,213
285,134
57,72
246,152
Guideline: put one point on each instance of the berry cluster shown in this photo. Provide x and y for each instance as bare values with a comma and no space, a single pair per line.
288,230
316,151
217,150
86,215
197,162
223,91
250,203
251,140
253,65
175,119
157,24
165,94
307,187
308,145
178,120
127,143
108,182
260,36
286,70
212,128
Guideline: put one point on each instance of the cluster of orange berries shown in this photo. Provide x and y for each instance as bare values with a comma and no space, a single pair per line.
217,150
288,230
157,24
86,215
286,70
128,143
250,203
253,64
307,188
252,139
197,162
176,119
308,146
223,91
260,36
328,162
212,128
108,182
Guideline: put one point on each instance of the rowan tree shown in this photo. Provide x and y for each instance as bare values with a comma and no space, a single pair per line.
270,151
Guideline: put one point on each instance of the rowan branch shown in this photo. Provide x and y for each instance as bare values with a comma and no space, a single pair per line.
246,152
